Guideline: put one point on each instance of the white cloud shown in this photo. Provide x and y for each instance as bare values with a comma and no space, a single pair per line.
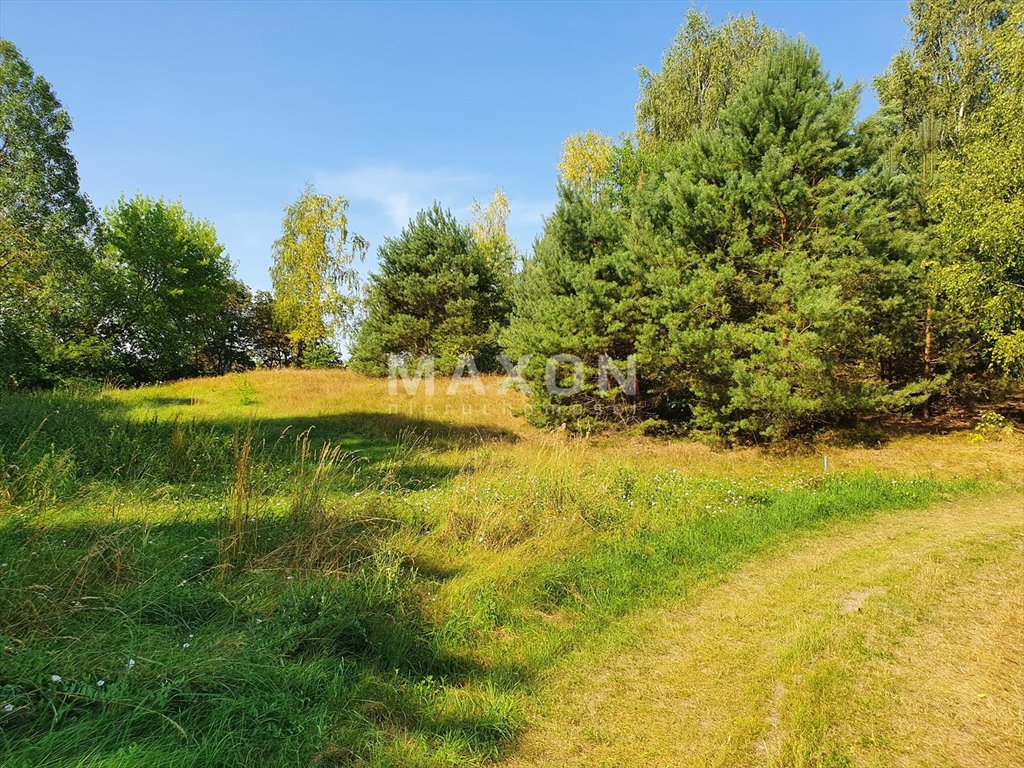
399,191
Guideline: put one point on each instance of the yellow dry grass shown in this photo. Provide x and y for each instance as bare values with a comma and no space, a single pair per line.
892,642
953,693
287,393
310,393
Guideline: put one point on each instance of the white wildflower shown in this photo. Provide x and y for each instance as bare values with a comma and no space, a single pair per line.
8,707
56,678
186,645
100,683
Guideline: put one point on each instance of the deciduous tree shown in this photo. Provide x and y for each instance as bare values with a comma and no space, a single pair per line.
47,235
171,299
705,65
315,285
979,205
587,160
930,97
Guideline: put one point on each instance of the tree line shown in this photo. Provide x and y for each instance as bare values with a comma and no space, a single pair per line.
769,263
143,291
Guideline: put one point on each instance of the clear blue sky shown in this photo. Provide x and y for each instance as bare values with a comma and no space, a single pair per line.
232,107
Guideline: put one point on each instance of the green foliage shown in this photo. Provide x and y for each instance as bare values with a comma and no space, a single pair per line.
47,236
773,299
935,86
270,345
148,295
312,275
933,96
172,305
772,266
750,270
769,265
489,229
979,204
320,356
438,291
580,294
704,66
992,426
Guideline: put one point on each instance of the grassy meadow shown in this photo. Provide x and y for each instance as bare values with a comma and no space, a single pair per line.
292,567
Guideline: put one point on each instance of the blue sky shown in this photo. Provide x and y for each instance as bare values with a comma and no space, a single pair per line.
232,107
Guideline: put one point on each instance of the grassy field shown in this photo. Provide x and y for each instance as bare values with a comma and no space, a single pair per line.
297,568
896,641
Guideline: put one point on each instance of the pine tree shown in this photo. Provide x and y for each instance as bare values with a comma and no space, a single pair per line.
750,269
775,268
436,292
576,296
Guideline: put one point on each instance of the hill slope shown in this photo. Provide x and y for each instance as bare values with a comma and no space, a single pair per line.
301,567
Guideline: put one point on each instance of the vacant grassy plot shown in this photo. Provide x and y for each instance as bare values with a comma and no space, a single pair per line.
296,568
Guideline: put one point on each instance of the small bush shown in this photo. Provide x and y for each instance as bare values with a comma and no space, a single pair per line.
992,426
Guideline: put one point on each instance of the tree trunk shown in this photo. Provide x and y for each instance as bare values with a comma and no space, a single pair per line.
927,350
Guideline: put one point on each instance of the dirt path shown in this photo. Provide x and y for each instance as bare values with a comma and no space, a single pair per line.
893,642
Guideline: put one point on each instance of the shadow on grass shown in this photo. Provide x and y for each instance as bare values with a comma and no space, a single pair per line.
207,666
166,401
373,433
311,643
56,442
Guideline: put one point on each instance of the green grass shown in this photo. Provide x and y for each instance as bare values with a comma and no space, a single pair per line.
264,578
876,642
